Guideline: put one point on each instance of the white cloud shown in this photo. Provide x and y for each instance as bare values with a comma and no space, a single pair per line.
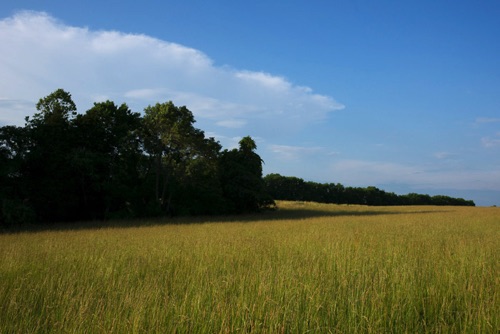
487,120
273,83
232,123
144,93
14,109
293,152
365,173
491,142
444,155
40,54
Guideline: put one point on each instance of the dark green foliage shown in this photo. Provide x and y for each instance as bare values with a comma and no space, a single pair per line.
200,192
295,189
241,177
175,147
46,171
110,162
15,214
106,160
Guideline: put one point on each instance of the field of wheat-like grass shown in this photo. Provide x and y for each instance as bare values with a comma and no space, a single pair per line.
306,267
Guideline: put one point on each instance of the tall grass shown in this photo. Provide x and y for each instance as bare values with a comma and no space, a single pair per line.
305,268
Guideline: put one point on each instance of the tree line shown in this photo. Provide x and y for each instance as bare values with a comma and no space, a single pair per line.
296,189
110,162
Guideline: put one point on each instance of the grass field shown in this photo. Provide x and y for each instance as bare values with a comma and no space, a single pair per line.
305,268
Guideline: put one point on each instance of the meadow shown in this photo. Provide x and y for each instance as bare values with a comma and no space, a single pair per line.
305,268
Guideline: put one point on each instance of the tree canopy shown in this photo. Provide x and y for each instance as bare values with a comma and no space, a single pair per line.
295,189
110,162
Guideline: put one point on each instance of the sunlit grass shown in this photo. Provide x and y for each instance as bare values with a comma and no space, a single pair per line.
307,267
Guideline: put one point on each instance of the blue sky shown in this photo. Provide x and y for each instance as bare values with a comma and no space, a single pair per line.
402,95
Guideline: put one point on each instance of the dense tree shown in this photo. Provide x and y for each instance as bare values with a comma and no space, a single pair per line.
107,160
199,189
47,171
112,162
13,152
296,189
174,145
241,177
55,109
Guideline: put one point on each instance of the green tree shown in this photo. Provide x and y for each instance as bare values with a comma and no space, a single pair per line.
286,187
174,145
51,138
241,178
199,189
107,159
15,210
55,109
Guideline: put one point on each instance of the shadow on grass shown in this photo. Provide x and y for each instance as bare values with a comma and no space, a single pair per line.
308,213
288,213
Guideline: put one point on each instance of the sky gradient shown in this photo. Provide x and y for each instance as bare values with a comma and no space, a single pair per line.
404,96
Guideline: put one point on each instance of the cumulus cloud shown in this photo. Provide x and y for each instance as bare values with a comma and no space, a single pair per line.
40,54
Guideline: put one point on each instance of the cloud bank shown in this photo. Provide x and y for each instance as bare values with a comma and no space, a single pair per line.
40,54
362,173
491,142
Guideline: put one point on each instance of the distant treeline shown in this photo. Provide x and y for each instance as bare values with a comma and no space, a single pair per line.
295,189
110,162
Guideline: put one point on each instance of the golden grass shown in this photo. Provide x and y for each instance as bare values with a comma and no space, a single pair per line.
306,268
